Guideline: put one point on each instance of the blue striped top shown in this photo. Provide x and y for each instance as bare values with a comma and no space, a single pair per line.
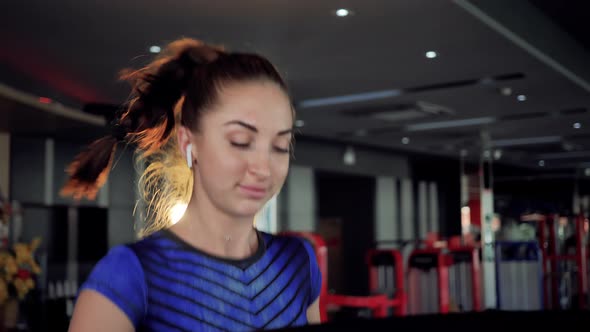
163,284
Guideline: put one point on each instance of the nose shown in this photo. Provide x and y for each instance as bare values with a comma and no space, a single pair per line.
260,164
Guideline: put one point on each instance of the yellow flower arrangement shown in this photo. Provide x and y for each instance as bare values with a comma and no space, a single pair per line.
17,269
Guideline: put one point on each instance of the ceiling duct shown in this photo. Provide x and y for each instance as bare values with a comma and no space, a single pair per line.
523,116
372,96
403,112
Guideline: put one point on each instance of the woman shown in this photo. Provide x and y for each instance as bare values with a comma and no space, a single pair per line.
214,129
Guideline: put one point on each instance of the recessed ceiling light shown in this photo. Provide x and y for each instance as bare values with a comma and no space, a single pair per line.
342,12
542,163
577,125
349,157
431,54
299,123
361,133
406,140
497,154
155,49
506,91
521,97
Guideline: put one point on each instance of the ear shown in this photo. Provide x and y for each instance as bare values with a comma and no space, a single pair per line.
184,138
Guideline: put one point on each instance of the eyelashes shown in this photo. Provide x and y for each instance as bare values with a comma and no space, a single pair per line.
245,146
281,150
240,145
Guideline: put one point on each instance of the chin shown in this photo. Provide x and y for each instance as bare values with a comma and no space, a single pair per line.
249,209
244,215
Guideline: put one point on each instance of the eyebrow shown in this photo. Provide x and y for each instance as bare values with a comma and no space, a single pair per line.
254,129
285,132
243,124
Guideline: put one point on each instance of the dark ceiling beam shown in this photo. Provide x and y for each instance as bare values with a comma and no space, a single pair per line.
526,26
26,114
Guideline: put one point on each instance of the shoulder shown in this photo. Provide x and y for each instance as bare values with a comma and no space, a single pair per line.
305,244
120,257
291,241
129,255
155,243
281,239
119,277
304,240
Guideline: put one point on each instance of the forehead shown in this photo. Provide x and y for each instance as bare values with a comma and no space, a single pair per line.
260,103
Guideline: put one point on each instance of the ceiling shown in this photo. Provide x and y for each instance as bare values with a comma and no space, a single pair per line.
362,80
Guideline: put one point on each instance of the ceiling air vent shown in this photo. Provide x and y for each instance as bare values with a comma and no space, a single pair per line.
524,116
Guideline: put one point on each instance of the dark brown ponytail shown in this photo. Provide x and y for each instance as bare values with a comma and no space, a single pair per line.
89,170
149,118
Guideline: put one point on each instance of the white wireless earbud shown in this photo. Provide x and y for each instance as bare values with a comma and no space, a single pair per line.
189,155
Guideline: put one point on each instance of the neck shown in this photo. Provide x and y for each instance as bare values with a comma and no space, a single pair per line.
217,233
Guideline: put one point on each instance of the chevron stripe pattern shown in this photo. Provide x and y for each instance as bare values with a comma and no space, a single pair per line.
178,288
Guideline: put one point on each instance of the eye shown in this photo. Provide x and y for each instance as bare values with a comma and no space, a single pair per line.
282,145
281,150
240,145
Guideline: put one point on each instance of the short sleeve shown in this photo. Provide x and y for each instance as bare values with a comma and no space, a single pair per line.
315,273
119,277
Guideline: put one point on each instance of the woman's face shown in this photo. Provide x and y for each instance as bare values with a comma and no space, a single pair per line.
242,147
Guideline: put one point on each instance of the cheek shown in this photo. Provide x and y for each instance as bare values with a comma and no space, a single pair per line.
280,170
224,164
232,163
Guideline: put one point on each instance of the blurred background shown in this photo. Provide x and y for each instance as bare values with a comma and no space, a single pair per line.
425,128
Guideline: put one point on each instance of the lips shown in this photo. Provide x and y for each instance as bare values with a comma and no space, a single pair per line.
253,191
